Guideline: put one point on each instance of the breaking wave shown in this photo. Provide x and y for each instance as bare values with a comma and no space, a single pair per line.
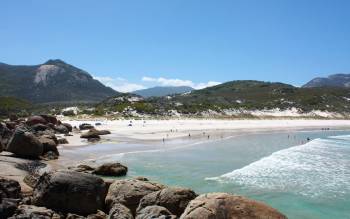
318,168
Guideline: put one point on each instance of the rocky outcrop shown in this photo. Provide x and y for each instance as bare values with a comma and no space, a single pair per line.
111,169
175,199
129,192
70,192
49,145
31,211
2,147
61,129
10,194
11,125
5,134
98,215
8,207
9,188
34,120
68,126
223,205
119,211
50,119
62,141
40,127
25,144
154,211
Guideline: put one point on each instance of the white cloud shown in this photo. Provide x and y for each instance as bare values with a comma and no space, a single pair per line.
123,85
119,84
178,82
148,79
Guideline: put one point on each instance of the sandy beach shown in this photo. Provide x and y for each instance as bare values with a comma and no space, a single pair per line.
157,130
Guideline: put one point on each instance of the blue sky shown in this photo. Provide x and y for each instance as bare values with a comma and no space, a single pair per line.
133,44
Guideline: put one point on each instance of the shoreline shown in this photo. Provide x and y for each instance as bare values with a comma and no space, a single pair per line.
154,131
125,140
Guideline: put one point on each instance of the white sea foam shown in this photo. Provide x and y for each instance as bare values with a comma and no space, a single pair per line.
320,168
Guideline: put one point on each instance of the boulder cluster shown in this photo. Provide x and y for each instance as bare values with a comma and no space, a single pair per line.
70,194
37,137
34,137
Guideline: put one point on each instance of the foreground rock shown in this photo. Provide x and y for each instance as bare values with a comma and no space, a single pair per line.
25,144
119,211
98,215
31,211
70,192
17,168
175,199
9,188
223,205
130,192
8,207
155,212
10,192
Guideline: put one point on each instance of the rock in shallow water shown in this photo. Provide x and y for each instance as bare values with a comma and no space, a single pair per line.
175,199
85,126
93,133
223,205
111,169
70,192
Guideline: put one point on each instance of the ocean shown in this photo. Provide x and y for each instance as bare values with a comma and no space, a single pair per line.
302,179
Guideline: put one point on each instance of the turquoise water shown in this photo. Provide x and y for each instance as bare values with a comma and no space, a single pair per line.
308,181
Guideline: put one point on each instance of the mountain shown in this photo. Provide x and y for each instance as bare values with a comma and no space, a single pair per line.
52,82
163,91
254,95
243,96
336,80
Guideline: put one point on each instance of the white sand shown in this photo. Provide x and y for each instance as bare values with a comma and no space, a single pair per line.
170,129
